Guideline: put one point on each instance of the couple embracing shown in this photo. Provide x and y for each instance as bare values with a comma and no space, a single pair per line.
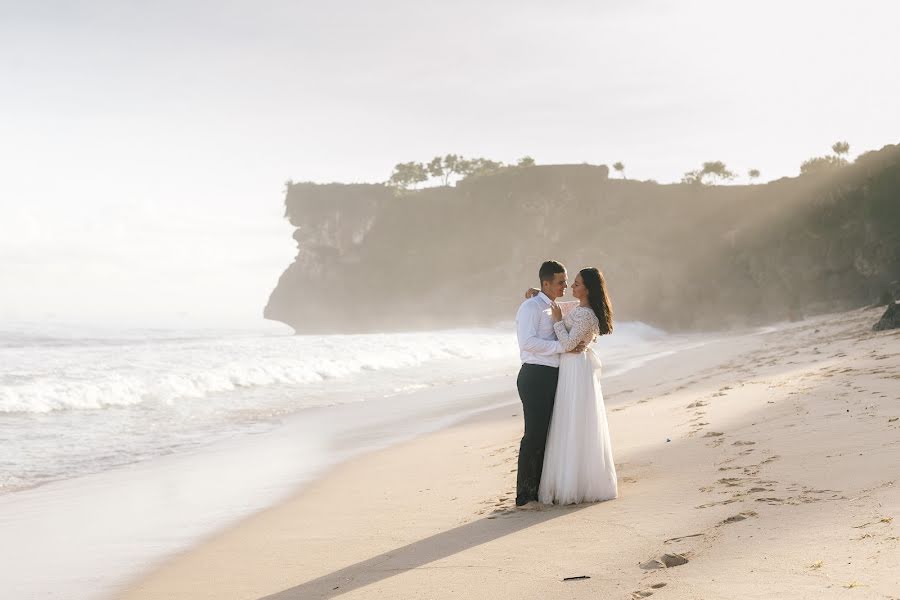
565,456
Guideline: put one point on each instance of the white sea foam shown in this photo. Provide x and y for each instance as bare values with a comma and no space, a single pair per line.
78,400
101,373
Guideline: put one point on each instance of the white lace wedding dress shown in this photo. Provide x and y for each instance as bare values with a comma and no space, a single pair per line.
578,460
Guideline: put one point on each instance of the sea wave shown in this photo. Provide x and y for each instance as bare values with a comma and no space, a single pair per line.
98,372
93,376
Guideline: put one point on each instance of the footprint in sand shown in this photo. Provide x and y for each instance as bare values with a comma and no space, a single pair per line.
696,404
773,501
709,434
739,517
666,561
743,443
731,481
729,501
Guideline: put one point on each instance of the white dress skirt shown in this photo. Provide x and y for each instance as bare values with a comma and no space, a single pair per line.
578,460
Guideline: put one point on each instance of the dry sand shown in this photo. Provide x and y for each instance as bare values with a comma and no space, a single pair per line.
781,480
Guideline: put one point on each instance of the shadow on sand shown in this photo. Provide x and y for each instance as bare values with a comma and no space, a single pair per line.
422,552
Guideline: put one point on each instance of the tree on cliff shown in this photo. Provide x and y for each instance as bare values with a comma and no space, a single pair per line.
408,174
817,164
525,161
840,149
753,174
479,166
444,168
620,168
713,169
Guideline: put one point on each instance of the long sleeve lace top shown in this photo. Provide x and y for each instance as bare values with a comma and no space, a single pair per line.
580,325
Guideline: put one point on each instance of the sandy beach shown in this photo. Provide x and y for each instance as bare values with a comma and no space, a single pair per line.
766,463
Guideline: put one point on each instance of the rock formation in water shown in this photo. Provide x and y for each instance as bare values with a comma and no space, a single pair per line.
679,256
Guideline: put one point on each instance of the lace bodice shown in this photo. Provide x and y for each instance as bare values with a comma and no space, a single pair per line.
580,325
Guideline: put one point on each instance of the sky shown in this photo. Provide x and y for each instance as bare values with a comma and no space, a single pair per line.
144,145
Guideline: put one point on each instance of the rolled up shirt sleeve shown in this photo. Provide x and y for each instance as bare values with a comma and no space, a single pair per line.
527,320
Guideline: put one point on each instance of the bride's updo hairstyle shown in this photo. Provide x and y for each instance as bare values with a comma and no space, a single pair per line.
598,298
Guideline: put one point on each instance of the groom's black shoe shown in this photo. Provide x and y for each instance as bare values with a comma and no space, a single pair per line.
523,501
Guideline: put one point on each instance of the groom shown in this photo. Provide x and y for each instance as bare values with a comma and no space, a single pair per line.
539,350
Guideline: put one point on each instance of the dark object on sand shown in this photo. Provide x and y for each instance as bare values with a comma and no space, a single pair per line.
576,577
890,319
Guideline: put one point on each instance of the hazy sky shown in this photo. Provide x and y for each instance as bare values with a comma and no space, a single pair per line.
144,145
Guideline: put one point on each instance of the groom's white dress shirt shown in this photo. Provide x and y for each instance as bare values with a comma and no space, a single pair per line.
534,328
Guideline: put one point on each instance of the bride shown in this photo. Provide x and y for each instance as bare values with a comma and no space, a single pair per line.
578,461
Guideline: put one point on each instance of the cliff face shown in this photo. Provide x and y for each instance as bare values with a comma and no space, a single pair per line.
678,256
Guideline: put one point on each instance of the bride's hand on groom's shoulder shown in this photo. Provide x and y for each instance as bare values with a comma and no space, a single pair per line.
531,293
581,347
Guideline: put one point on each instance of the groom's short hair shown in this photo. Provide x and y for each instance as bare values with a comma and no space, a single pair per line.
549,269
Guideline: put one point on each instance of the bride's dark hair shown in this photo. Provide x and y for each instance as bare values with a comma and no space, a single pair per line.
598,298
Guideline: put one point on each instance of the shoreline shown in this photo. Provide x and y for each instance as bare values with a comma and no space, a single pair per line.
84,536
323,500
102,529
777,482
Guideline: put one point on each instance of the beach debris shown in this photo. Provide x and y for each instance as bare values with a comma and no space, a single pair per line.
881,520
817,565
892,419
576,577
670,439
665,561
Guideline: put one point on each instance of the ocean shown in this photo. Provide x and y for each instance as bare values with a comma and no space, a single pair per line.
122,445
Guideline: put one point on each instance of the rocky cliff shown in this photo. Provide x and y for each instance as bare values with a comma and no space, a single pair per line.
680,256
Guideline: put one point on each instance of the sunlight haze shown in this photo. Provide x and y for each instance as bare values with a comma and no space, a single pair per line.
145,145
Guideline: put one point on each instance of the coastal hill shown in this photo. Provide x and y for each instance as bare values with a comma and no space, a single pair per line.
682,256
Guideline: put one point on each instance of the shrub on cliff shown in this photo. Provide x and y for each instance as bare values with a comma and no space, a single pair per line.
714,170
